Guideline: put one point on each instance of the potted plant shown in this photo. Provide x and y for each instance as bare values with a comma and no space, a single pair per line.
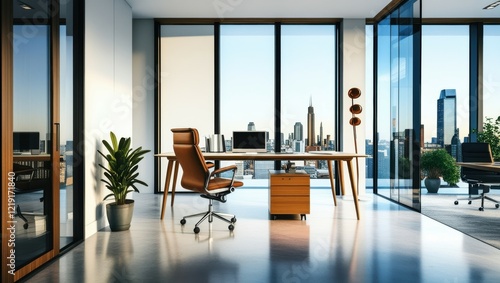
438,163
491,135
121,178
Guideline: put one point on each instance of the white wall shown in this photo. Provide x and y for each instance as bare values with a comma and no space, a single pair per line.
143,97
108,94
353,66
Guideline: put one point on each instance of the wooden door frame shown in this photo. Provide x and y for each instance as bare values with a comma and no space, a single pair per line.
6,73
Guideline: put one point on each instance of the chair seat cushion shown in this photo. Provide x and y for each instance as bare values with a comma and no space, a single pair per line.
222,183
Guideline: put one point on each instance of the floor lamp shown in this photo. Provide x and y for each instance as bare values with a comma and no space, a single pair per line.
355,109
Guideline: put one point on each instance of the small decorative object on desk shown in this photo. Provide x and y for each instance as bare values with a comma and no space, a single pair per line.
289,167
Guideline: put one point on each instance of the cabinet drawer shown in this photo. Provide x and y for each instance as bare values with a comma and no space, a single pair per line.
287,181
290,205
292,190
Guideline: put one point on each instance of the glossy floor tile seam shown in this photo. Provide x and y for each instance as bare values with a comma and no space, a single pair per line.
389,244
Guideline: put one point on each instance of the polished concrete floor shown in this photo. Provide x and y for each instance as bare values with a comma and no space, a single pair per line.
389,244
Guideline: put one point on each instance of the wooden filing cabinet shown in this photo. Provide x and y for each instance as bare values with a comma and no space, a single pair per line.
289,193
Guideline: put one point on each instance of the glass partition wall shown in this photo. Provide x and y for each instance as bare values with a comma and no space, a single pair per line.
397,103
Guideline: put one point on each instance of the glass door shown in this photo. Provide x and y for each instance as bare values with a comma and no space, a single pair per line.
35,159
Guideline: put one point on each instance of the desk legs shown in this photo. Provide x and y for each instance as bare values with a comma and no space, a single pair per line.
176,170
165,189
353,186
330,172
338,163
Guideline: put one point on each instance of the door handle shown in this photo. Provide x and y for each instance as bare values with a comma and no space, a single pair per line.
58,136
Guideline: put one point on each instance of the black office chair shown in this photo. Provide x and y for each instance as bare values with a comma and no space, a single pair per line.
28,180
479,180
198,177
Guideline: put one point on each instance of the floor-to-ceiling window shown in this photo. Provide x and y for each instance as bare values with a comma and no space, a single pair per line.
445,92
369,107
247,88
186,82
398,94
243,73
491,75
308,84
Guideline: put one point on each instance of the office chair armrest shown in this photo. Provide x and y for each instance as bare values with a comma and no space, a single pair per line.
225,169
209,164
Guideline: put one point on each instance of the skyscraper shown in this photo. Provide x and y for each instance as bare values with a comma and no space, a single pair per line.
321,135
446,116
311,135
298,131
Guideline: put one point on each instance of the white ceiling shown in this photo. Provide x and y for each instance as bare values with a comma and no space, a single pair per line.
301,8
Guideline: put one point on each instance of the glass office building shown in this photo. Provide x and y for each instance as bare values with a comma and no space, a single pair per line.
446,116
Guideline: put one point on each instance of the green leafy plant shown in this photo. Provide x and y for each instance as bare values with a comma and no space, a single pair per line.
123,163
491,135
438,163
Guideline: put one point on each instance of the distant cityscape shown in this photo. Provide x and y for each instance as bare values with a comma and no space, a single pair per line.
447,136
294,142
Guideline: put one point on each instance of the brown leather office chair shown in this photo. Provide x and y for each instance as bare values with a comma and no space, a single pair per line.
197,176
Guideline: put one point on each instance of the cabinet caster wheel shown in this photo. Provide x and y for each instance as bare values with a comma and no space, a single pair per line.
196,230
481,209
25,226
233,220
456,202
183,221
470,202
497,205
230,227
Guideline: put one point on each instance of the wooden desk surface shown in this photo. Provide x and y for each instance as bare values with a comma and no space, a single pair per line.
31,157
173,165
327,155
481,165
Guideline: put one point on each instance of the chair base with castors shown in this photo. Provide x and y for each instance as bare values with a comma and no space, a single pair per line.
485,189
209,215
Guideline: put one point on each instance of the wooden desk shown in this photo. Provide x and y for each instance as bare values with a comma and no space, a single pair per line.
338,157
486,166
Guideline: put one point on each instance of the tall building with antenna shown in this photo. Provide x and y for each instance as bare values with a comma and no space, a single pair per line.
311,135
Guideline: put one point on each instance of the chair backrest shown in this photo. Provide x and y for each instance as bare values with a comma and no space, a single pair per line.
189,156
478,152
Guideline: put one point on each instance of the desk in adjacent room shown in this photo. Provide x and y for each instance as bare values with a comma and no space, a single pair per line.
329,156
486,166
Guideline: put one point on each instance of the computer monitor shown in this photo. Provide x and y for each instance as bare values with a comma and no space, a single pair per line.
26,141
250,141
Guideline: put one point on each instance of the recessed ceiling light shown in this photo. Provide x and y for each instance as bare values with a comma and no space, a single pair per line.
492,5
